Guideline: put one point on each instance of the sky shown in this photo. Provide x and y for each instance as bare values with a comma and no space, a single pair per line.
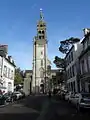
18,18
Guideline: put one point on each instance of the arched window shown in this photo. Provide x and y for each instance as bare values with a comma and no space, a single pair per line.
43,32
41,25
41,72
41,62
42,37
41,52
39,32
39,37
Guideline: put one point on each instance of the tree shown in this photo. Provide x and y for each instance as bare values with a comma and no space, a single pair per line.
65,45
59,62
64,48
18,76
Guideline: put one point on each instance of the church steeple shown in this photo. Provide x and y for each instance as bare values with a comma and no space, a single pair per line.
41,27
41,14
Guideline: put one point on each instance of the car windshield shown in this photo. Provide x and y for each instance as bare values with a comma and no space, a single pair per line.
84,95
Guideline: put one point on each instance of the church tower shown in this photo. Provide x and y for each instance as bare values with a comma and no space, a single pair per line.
39,57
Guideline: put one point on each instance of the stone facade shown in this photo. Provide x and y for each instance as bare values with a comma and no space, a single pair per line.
40,60
84,63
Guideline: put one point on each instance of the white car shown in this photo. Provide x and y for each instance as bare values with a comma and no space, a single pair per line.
69,96
81,100
18,94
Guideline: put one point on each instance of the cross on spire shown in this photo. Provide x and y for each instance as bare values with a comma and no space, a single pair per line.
41,14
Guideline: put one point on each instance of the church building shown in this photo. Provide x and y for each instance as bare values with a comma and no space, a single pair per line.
41,64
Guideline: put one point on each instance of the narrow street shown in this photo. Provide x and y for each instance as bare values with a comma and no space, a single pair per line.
41,108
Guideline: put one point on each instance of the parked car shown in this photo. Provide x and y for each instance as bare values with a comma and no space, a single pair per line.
69,96
23,94
10,97
62,94
3,90
82,100
18,94
2,99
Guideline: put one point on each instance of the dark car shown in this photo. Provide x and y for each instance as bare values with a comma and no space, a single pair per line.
2,99
10,97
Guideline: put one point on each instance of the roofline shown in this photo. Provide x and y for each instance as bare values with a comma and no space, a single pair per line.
8,61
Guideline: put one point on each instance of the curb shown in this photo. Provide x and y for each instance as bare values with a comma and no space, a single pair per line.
1,106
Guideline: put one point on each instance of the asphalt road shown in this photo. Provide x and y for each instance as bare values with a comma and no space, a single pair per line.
41,108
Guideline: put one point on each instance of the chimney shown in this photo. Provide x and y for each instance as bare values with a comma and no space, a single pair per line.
10,58
86,31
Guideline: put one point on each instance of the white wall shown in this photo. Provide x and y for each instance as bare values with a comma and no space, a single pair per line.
26,87
39,57
8,80
76,52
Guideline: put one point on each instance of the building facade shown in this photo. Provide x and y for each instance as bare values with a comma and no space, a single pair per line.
7,73
51,75
72,67
84,62
27,82
40,60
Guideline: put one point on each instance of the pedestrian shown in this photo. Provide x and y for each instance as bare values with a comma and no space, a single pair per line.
49,94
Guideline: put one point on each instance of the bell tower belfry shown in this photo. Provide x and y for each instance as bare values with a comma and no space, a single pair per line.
39,57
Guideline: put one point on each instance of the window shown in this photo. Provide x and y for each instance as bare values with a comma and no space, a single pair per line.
70,73
41,52
69,59
12,74
42,37
41,62
8,72
89,62
39,37
73,73
42,32
74,86
41,73
5,70
71,56
82,66
41,25
39,32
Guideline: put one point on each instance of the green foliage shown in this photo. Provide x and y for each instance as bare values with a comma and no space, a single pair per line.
65,45
59,62
18,76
